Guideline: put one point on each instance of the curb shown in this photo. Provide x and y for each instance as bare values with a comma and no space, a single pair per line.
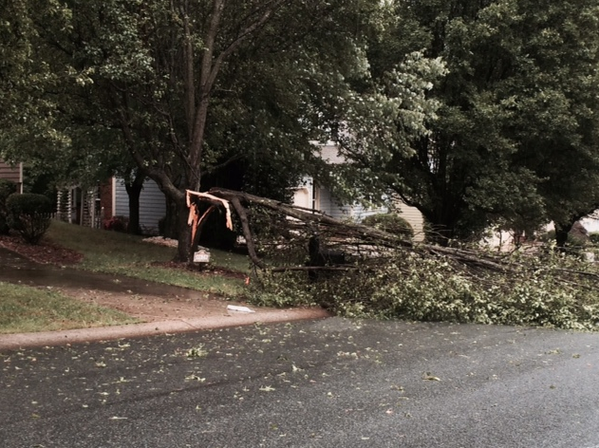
66,337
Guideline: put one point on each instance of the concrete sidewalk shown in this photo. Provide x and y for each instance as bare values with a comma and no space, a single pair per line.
233,319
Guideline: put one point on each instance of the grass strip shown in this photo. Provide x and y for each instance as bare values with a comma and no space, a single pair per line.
25,309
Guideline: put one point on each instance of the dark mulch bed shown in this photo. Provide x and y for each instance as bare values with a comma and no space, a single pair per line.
45,252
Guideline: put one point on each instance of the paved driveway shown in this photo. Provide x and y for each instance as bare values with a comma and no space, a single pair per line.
326,383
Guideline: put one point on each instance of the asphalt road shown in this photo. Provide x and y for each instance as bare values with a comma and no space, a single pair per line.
327,383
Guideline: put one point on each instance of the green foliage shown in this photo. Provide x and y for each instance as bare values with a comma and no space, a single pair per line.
193,94
7,188
34,109
413,287
391,223
476,113
594,237
30,214
281,290
510,134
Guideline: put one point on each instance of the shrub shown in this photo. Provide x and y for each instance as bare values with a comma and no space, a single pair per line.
594,237
574,239
7,187
116,223
391,223
30,214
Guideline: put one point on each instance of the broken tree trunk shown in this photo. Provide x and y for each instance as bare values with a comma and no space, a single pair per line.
311,216
296,225
196,221
365,234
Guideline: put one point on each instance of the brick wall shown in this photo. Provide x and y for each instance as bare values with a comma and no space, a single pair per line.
106,199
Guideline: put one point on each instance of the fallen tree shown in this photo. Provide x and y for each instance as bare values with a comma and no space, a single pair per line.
353,233
362,271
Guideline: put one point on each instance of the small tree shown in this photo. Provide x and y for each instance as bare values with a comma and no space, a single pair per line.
30,215
391,223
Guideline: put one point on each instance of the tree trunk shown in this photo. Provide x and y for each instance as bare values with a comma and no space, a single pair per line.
184,252
134,192
561,234
170,226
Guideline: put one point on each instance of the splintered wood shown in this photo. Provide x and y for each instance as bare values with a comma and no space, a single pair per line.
195,219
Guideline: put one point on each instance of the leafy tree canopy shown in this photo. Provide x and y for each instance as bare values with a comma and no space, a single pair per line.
513,137
190,88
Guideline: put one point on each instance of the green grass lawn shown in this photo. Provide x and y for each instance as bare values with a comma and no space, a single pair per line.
119,253
26,309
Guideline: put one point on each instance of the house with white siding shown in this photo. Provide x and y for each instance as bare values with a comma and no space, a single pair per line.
312,196
13,173
95,206
152,204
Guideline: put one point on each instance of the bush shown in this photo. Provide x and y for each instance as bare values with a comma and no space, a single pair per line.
574,239
30,214
7,187
594,237
391,223
116,224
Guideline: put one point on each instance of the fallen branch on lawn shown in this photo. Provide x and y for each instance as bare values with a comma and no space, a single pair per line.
302,224
314,268
366,234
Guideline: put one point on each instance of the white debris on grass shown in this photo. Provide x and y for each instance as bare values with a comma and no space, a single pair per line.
162,241
240,309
